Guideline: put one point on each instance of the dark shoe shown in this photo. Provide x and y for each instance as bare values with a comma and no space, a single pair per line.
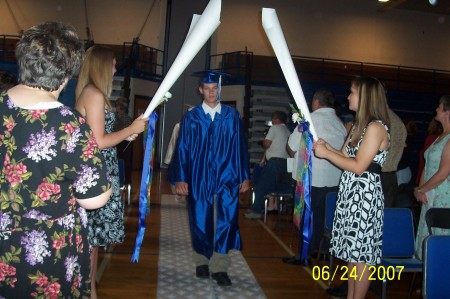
202,271
340,291
222,279
294,260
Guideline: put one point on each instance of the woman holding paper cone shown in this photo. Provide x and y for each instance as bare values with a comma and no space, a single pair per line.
358,221
433,190
93,92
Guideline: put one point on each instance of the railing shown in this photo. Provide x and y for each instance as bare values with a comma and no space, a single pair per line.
7,48
393,76
146,62
235,64
143,62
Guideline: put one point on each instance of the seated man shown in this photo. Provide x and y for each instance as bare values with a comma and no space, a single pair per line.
274,176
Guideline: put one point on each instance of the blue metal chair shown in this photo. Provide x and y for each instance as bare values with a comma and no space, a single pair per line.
436,279
398,245
437,217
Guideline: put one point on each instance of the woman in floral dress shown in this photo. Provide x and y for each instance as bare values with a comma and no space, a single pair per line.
93,92
433,190
51,170
358,219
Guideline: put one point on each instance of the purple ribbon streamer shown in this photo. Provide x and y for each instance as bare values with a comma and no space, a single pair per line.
307,183
147,171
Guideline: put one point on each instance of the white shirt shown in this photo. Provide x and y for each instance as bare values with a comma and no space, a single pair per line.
212,111
279,135
331,129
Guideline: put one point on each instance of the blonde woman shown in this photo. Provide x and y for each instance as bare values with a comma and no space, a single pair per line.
358,220
93,92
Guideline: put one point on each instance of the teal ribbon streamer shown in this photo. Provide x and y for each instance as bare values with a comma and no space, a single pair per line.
303,188
147,172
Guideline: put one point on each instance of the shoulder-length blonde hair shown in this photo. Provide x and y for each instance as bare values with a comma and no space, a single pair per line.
372,105
97,70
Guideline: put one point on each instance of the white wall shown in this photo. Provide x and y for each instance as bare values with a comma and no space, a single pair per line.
337,29
234,93
340,29
111,21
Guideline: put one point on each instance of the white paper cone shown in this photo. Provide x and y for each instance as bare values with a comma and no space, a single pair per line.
200,31
273,31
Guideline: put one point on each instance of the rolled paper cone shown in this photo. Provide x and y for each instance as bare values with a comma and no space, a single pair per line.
201,29
273,31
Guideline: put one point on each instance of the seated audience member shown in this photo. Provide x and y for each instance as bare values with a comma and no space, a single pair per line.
274,176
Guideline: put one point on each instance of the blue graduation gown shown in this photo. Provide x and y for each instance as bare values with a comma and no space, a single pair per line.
212,157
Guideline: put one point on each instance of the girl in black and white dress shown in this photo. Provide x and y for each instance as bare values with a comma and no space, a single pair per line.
358,220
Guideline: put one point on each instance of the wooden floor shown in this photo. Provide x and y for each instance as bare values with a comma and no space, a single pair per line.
263,248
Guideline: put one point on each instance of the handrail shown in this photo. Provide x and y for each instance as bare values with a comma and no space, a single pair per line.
146,63
232,63
6,49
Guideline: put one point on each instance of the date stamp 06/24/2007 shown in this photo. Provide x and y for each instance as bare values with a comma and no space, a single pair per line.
375,273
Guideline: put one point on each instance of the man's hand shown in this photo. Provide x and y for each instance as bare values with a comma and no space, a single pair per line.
245,186
182,188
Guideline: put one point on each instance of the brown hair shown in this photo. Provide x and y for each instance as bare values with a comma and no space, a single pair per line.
97,70
47,54
372,105
445,101
434,127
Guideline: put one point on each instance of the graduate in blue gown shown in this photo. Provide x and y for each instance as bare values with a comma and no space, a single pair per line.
210,167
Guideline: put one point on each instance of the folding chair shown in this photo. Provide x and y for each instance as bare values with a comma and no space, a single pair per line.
330,207
437,217
436,281
398,245
125,189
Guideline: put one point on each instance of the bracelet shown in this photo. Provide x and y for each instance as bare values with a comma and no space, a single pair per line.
419,190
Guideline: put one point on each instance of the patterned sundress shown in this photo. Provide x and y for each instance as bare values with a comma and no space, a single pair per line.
358,219
106,224
439,197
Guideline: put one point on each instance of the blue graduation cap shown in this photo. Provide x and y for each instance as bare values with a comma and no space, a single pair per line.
212,77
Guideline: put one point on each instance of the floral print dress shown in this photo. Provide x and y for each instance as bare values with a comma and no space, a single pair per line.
49,158
438,197
106,224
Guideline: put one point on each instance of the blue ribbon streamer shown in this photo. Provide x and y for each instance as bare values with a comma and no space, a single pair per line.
147,171
307,183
